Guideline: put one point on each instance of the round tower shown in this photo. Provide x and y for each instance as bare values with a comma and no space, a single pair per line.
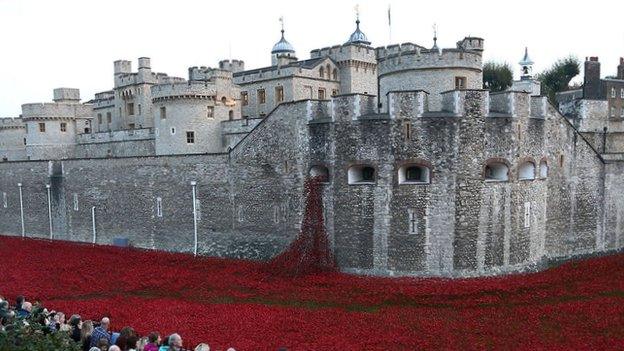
283,52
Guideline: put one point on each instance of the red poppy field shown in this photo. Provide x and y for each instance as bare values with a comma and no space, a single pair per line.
224,303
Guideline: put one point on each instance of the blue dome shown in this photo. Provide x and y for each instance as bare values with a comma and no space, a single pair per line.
358,37
282,46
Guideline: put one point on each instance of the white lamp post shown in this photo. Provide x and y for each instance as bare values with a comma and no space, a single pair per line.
49,210
19,185
194,185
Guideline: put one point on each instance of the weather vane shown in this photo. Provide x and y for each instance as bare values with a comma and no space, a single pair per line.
281,19
357,11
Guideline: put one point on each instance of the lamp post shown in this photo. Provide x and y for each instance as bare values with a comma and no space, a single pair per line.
194,185
19,185
93,223
49,210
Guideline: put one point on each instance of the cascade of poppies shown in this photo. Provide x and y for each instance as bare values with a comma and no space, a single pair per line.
310,252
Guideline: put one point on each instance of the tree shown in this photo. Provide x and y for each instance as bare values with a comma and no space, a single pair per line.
497,76
557,78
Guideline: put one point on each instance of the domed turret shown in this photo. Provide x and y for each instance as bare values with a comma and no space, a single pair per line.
358,37
283,46
282,53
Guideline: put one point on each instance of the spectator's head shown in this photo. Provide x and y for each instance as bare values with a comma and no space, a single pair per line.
141,344
127,332
132,342
114,348
75,320
105,323
102,344
175,340
19,301
154,338
202,347
60,317
87,329
165,341
231,349
27,306
4,305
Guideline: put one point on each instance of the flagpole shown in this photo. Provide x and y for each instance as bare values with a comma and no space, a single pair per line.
389,26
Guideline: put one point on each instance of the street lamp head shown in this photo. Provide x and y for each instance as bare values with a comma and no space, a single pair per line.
19,184
193,183
47,186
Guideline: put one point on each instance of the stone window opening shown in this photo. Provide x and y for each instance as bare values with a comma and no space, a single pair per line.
527,215
163,112
5,202
414,174
612,111
361,174
159,212
63,127
328,69
130,109
244,98
223,100
622,112
173,130
460,83
190,137
412,221
526,171
335,74
622,93
87,130
321,72
109,118
75,198
612,92
407,129
543,169
231,115
334,92
42,128
99,118
279,94
131,126
209,112
140,109
261,96
320,171
496,172
321,94
561,160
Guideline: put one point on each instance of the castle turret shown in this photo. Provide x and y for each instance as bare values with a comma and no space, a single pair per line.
283,52
527,83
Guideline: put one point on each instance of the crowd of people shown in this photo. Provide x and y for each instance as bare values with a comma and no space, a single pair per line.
89,335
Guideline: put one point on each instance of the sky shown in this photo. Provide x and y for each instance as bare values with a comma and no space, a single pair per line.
46,44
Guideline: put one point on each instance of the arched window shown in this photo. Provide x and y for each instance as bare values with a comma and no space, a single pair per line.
526,171
328,71
231,115
320,171
321,72
223,100
361,174
335,74
496,172
413,174
543,169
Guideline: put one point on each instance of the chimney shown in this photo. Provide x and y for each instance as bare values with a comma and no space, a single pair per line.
620,70
592,83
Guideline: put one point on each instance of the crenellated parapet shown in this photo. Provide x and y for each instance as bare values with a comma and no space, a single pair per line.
54,110
11,123
190,90
407,104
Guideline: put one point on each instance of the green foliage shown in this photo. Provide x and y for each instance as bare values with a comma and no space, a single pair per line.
497,76
30,335
557,78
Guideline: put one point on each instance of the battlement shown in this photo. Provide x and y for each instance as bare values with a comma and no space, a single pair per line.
68,95
11,123
188,90
407,104
510,103
346,52
115,136
233,66
53,110
204,73
471,43
398,59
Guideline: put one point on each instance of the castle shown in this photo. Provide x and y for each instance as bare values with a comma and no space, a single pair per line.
426,173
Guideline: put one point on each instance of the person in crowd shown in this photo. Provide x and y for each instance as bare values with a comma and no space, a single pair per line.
124,335
103,344
202,347
24,311
175,342
142,343
18,302
132,343
63,326
75,323
85,335
114,348
164,344
101,332
153,340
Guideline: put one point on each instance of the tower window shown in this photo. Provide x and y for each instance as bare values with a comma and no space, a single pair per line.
613,92
261,96
159,212
99,116
63,127
413,174
210,111
612,111
335,74
224,100
526,171
496,172
190,137
130,109
163,112
361,174
245,98
543,169
321,94
231,115
622,93
334,92
139,109
109,118
460,83
320,171
321,72
42,127
279,94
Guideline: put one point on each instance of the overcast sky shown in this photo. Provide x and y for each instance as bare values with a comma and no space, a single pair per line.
64,43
